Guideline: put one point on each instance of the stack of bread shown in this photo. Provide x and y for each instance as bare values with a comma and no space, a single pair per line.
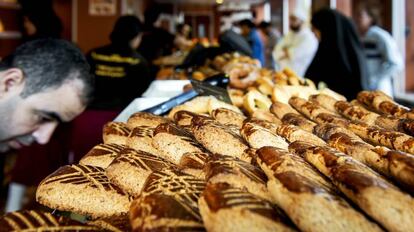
313,163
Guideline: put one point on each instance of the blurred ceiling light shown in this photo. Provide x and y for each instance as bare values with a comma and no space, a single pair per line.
219,1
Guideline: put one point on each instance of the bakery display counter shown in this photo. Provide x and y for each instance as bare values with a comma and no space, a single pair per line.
285,156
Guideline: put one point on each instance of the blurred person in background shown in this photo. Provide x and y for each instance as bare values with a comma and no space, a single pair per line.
182,37
297,48
339,61
384,61
40,23
156,42
270,37
248,30
121,73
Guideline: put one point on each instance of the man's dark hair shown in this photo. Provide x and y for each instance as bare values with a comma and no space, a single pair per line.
372,11
49,63
264,25
125,29
247,22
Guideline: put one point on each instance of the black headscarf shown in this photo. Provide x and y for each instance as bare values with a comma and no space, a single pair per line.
126,28
339,61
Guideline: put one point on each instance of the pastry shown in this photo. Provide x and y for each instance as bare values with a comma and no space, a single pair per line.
131,169
113,224
325,101
258,136
293,133
225,209
308,198
145,119
102,155
299,121
193,163
116,132
141,139
84,190
281,109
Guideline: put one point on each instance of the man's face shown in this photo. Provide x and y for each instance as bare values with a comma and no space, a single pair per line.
295,23
363,20
244,30
34,118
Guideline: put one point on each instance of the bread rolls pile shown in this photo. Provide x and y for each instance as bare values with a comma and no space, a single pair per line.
312,164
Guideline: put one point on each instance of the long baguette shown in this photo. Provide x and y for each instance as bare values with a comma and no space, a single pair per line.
389,122
373,194
397,165
325,101
377,136
384,104
308,198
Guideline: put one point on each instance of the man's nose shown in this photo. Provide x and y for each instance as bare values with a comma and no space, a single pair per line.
43,134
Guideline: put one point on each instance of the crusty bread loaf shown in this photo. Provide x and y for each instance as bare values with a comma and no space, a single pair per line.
383,104
307,108
173,142
168,202
225,209
113,224
281,109
237,173
174,182
145,119
266,115
398,166
141,139
131,169
326,130
377,136
228,117
377,197
159,212
102,155
258,136
331,118
84,190
325,101
183,119
193,163
308,198
116,132
293,133
212,135
34,220
263,123
299,121
356,113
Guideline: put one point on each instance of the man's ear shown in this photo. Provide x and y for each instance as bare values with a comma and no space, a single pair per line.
11,81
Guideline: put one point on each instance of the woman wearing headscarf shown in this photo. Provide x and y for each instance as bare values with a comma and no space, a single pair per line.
339,61
121,73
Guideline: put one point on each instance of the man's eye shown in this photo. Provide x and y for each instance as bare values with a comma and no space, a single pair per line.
42,119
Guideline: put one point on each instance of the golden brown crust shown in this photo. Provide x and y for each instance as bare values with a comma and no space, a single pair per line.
82,189
326,130
225,208
145,119
131,169
307,108
258,136
280,109
159,212
211,135
116,132
298,120
237,173
363,186
102,155
293,133
173,142
228,117
391,139
34,220
309,199
383,104
325,101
